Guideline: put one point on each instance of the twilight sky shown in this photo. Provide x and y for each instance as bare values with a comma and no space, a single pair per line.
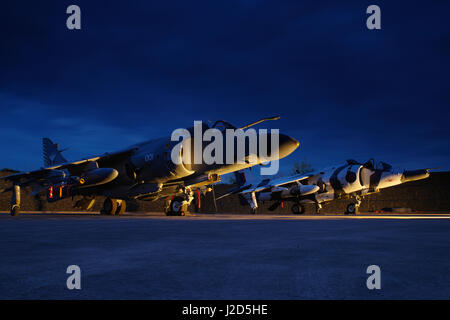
139,69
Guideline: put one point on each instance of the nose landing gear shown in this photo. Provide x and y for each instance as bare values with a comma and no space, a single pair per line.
178,205
353,208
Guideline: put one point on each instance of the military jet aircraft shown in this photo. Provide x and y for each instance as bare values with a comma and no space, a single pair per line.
144,171
352,180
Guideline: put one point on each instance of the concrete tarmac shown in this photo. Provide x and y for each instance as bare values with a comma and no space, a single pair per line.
224,256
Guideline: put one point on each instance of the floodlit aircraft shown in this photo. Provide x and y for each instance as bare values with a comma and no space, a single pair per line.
352,181
144,171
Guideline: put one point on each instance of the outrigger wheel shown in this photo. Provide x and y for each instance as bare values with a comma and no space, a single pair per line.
15,201
15,211
297,209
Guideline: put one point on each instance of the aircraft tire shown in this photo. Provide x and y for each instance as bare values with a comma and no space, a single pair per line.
176,207
351,209
109,206
297,209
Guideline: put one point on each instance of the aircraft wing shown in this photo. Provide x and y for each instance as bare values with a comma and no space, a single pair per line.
234,191
20,175
279,182
27,177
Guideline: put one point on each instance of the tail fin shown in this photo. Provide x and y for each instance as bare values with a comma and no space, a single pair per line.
241,186
52,155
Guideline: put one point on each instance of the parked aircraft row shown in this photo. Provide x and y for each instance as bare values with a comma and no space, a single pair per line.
352,180
146,171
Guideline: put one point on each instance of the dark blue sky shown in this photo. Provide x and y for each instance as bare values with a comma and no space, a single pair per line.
139,69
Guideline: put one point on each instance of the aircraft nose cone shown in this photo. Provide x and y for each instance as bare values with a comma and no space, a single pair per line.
287,145
413,175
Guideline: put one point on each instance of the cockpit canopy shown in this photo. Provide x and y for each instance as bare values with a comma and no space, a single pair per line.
370,164
222,125
383,166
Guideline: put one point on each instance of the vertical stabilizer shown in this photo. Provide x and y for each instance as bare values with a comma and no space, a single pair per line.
52,156
240,178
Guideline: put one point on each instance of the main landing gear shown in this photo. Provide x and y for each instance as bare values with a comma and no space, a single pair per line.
114,206
297,208
353,208
85,204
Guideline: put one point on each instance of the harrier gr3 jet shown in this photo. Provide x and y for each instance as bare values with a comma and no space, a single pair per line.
144,171
352,181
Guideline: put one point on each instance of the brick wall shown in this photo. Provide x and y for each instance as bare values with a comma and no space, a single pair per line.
431,194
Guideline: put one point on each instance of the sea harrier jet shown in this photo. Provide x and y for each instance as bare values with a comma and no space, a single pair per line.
145,171
352,180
